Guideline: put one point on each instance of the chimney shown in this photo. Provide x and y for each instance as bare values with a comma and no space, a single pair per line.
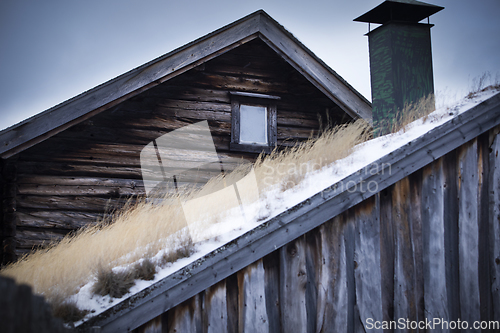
400,57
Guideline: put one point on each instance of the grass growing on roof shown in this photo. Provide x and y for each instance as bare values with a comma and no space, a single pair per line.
141,230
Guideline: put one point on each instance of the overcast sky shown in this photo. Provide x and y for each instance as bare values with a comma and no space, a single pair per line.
53,50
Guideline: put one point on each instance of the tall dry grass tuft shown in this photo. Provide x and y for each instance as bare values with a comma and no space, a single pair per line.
143,229
413,111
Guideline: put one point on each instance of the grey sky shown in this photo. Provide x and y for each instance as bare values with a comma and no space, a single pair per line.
53,50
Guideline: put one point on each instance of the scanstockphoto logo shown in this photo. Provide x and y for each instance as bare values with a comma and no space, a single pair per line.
366,182
185,158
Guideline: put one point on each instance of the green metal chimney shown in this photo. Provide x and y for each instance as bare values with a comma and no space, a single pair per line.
400,57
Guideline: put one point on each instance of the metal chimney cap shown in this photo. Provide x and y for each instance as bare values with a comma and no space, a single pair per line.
410,11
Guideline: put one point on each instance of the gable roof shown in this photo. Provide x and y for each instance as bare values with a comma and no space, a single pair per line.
256,25
298,220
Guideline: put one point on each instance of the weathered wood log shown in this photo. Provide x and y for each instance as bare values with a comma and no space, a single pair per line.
77,203
83,190
252,299
57,219
468,232
293,279
29,239
435,292
367,261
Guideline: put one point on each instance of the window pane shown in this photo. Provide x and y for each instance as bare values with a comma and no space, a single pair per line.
253,124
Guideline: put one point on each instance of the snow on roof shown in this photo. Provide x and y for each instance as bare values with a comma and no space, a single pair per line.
276,202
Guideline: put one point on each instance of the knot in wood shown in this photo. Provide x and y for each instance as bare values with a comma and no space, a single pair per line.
291,250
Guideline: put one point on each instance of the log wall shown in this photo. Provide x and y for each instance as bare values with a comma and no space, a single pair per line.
74,178
426,247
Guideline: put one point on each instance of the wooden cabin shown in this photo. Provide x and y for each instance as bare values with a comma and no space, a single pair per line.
66,167
424,245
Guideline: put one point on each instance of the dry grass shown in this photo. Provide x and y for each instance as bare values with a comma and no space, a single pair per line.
68,311
412,112
143,229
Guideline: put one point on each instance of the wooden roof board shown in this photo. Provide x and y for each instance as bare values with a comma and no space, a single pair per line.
295,222
259,24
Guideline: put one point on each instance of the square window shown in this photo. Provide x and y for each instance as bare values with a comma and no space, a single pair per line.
253,122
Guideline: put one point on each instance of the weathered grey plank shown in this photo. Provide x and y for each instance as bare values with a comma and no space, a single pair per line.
386,253
332,282
451,237
232,302
416,236
293,280
349,241
186,317
494,225
468,233
367,262
215,309
483,146
272,286
435,294
252,299
314,261
404,270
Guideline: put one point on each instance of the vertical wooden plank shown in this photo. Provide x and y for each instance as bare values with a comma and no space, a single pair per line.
367,262
313,268
215,309
186,317
468,233
293,279
235,121
332,309
416,236
494,226
272,284
349,242
451,230
483,219
386,253
232,303
435,294
252,299
404,270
